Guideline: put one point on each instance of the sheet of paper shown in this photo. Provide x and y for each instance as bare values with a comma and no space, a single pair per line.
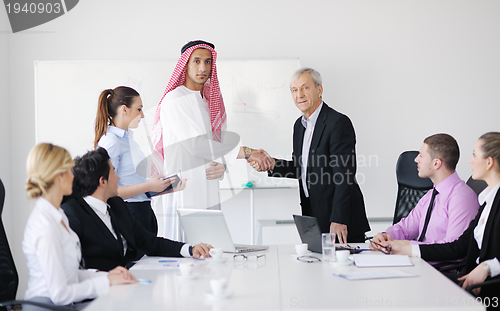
368,275
163,263
380,260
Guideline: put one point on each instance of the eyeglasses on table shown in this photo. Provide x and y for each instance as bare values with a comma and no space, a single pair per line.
242,258
308,259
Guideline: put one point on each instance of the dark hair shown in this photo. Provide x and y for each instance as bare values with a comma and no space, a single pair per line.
88,170
491,146
109,102
444,147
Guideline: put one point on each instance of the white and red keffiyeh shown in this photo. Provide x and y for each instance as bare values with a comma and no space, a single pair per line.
211,91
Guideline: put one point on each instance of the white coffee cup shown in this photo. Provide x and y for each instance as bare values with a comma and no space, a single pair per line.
186,268
342,256
218,286
216,253
301,249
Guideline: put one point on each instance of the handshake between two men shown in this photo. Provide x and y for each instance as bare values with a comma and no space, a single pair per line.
260,160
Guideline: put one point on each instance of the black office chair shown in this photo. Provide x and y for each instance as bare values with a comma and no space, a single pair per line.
476,185
495,282
8,273
410,187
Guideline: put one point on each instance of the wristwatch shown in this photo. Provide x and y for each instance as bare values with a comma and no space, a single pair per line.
248,152
190,250
487,268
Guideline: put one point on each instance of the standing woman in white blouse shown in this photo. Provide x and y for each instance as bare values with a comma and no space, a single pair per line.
480,243
119,110
51,248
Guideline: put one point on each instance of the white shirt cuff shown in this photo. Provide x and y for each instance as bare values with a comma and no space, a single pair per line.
415,251
101,284
185,250
494,265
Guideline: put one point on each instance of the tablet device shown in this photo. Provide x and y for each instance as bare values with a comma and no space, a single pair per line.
172,185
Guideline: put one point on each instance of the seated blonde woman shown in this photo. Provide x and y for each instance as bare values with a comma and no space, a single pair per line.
51,248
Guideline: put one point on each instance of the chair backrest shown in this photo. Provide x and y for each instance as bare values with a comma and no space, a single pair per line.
476,185
410,187
8,273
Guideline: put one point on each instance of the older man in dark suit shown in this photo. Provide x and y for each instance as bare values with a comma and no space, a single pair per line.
109,235
324,161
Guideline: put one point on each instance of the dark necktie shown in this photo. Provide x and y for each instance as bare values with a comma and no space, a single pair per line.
428,216
115,228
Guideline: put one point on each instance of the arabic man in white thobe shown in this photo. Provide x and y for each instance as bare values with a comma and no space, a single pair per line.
189,136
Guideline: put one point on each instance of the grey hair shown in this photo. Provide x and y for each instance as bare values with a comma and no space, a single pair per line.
314,74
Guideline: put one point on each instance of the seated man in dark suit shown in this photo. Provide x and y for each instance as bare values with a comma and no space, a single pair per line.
109,235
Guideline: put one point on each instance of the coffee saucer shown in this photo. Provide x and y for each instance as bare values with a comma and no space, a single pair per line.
225,295
220,260
341,264
191,276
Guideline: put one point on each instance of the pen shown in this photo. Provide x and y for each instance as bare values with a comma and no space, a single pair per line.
168,260
144,281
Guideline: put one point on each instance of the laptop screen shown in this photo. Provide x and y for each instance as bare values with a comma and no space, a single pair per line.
309,232
206,226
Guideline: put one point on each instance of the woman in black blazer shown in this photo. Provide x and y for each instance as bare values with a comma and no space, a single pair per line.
480,243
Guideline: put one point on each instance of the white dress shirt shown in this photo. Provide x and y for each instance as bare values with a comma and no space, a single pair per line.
53,257
309,124
486,196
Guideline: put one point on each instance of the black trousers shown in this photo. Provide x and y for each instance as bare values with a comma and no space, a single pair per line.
144,214
307,211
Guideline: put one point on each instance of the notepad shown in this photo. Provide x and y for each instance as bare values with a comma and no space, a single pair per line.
369,275
379,260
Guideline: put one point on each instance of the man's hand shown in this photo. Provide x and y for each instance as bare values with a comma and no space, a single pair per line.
201,249
261,161
340,231
478,275
216,171
397,247
379,238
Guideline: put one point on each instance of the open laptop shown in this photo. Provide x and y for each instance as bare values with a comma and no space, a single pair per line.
209,226
309,232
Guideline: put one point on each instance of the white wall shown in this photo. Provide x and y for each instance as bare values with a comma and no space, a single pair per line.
402,70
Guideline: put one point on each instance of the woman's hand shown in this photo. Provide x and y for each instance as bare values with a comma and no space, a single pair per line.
181,185
158,184
478,275
121,275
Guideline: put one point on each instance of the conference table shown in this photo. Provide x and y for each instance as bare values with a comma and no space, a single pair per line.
278,281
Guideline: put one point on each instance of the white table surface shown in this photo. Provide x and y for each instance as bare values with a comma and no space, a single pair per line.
280,282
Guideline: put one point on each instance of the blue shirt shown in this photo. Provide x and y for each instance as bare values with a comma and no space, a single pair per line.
119,146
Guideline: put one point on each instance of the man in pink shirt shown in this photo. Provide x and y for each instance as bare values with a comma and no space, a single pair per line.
445,211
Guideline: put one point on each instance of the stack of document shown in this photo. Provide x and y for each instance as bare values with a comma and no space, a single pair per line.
379,260
367,275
